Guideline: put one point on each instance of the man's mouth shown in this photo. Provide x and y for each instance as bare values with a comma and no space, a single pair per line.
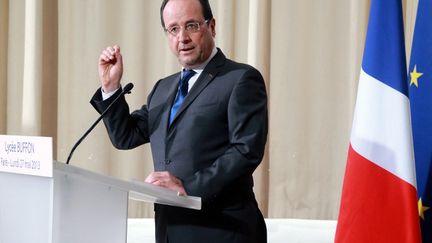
186,49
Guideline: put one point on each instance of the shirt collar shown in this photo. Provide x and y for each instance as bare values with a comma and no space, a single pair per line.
198,69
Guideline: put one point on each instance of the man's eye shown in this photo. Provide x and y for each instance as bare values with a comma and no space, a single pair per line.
191,26
174,29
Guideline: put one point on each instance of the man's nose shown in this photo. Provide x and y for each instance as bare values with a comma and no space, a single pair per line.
183,35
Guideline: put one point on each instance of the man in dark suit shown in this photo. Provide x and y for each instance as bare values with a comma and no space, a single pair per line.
207,131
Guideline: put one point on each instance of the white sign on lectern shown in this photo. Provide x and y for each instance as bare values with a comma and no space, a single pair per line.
26,155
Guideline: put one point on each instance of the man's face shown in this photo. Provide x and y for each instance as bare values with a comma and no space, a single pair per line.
191,49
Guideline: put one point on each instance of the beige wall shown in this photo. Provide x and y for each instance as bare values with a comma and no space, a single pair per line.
3,62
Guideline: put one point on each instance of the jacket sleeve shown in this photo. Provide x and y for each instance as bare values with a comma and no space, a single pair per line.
125,130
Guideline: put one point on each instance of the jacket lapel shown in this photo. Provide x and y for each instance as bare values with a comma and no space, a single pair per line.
208,74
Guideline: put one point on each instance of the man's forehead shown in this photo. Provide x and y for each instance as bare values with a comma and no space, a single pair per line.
178,9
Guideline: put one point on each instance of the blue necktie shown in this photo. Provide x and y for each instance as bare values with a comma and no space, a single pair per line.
182,92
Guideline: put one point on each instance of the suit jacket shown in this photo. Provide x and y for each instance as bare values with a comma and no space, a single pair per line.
213,145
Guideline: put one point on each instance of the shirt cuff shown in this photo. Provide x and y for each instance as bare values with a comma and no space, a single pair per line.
107,95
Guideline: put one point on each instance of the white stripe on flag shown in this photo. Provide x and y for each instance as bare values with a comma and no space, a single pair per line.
381,129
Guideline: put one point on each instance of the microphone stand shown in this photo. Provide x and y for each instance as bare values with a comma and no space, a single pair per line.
126,90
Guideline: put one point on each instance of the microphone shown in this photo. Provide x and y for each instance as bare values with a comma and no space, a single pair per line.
126,90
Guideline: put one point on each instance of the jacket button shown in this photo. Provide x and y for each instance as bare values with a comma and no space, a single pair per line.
167,161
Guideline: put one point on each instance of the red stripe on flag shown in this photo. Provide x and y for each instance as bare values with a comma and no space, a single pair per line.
376,205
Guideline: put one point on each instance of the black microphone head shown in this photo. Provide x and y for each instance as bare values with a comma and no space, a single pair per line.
128,87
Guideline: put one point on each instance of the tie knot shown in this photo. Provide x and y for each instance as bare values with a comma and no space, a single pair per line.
184,81
187,74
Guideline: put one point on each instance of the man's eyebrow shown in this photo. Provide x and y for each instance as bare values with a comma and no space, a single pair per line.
192,21
187,22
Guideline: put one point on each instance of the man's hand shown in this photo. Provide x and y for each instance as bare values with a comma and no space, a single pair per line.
167,180
110,68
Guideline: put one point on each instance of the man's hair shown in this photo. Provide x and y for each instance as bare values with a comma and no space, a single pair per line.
207,12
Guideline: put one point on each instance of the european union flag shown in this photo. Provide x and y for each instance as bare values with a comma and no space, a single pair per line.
420,94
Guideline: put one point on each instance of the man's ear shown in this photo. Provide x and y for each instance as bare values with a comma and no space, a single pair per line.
212,25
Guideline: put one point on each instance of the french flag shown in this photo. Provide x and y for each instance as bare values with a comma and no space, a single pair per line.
379,196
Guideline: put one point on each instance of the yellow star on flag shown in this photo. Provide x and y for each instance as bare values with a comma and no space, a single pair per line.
415,76
421,208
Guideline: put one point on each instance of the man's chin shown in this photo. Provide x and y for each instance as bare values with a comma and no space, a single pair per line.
188,62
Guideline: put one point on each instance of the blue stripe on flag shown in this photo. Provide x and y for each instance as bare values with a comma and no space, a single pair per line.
382,58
